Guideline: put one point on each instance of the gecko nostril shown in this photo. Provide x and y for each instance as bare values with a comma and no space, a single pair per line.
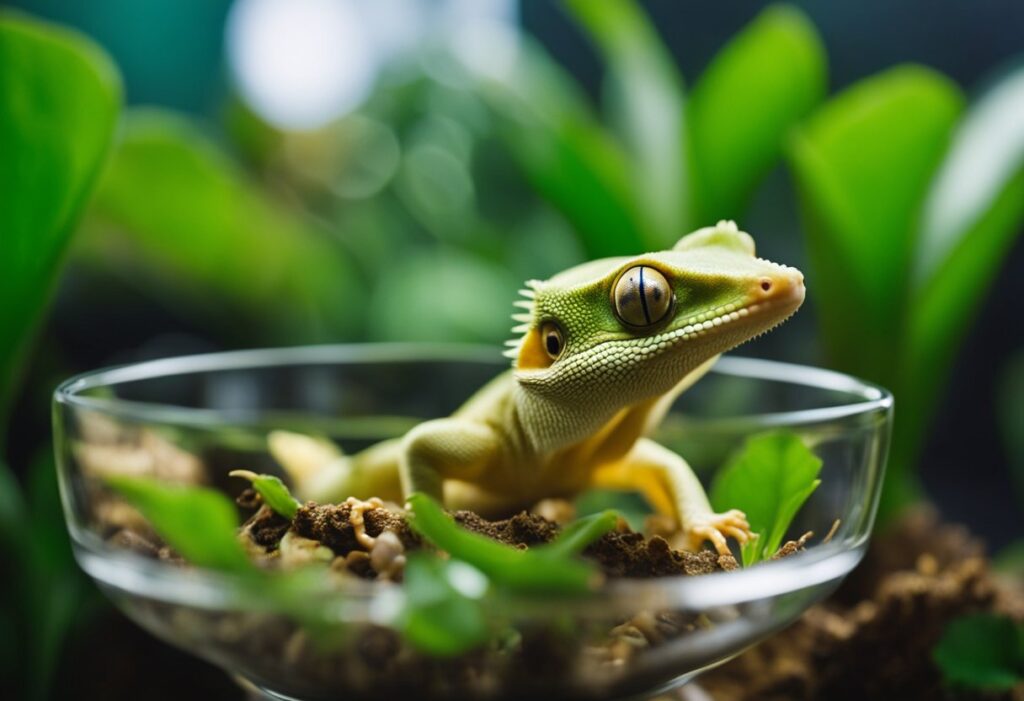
766,284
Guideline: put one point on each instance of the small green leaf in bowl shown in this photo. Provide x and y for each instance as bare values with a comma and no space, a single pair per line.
442,613
631,506
549,569
768,479
273,491
198,522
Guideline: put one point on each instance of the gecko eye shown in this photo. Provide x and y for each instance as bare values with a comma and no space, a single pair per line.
551,335
642,296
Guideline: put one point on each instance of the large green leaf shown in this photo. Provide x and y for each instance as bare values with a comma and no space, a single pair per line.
565,153
175,215
647,103
863,164
974,212
59,99
768,76
56,592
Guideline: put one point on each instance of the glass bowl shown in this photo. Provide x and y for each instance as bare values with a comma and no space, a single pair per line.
194,419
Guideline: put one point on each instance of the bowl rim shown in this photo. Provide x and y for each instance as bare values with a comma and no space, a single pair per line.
872,398
375,601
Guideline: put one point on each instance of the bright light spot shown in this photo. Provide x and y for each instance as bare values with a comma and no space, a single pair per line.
466,579
300,63
485,35
397,26
488,48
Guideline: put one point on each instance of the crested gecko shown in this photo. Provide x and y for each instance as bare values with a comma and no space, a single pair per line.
603,350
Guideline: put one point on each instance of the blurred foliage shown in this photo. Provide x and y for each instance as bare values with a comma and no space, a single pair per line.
59,100
379,211
768,77
552,568
198,522
632,506
909,208
983,652
173,212
443,611
670,164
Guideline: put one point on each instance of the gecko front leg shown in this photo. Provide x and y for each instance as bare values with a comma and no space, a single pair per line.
446,449
671,487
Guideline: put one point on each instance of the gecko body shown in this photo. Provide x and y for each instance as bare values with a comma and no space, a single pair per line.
602,351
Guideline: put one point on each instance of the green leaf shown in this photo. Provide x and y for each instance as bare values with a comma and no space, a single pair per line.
525,570
974,211
54,592
59,100
174,215
743,106
647,102
198,522
982,651
630,505
575,537
274,492
442,614
769,479
565,154
863,164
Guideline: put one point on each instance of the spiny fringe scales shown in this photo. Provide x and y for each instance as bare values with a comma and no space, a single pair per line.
523,319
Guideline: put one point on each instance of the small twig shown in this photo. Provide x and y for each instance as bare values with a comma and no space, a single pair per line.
831,531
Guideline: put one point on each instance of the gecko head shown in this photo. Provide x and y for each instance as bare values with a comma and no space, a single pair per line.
620,330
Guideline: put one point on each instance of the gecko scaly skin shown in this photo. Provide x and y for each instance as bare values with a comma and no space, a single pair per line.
605,349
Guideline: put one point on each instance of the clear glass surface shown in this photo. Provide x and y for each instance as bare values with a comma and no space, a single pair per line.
194,419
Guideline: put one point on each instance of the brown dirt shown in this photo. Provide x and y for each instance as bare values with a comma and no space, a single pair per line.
330,524
266,528
521,531
620,553
629,554
874,638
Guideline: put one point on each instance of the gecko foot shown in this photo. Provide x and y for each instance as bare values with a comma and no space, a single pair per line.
718,527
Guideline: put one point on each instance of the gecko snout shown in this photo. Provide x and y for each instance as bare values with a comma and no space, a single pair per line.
784,285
